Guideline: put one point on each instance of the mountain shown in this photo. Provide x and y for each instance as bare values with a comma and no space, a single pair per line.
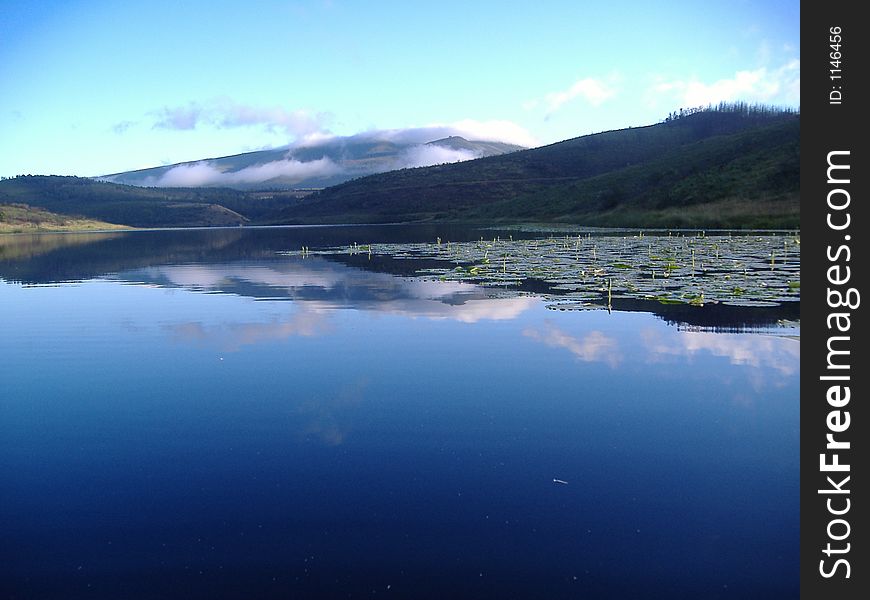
314,165
727,167
732,168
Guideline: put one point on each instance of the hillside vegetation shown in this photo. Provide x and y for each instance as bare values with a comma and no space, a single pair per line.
140,207
730,167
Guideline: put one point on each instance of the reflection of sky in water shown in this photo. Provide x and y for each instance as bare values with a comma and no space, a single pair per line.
393,429
320,286
323,285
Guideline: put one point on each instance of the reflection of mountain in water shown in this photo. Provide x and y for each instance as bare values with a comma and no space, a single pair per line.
319,285
714,317
57,258
247,262
53,258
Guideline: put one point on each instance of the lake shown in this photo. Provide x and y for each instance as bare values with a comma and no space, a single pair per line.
409,412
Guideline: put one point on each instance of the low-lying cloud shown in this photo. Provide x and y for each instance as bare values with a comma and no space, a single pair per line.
206,174
291,171
414,150
427,155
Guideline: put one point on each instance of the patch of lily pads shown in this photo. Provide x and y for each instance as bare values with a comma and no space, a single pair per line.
758,269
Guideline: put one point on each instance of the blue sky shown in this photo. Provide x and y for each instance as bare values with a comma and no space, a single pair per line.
89,88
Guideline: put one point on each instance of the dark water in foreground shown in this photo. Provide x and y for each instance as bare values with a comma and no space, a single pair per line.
192,415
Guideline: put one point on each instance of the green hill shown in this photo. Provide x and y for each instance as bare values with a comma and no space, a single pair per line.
733,167
141,207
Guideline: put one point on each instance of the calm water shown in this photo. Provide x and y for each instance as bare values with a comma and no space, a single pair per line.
194,415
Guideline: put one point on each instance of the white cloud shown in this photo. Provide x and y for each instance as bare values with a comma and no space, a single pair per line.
178,117
594,91
744,84
224,113
295,122
773,86
790,74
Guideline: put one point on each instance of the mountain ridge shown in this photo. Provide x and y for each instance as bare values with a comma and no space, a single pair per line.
315,165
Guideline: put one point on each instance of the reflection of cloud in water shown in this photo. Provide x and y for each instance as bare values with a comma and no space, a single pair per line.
593,347
312,319
232,336
753,350
320,285
471,311
317,288
227,278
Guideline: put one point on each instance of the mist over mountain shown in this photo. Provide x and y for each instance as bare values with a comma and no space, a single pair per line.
319,163
735,166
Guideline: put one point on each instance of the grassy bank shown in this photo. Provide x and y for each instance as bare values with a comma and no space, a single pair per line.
21,218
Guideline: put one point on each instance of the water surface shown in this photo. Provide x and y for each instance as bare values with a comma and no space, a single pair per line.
209,414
